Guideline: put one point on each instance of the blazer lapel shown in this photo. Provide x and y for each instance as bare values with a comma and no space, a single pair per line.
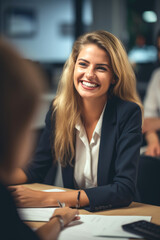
106,150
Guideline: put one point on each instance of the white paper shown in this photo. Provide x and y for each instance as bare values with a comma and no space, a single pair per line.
72,234
105,226
35,214
53,190
82,230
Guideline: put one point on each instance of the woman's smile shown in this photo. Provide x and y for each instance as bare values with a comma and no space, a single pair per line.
88,85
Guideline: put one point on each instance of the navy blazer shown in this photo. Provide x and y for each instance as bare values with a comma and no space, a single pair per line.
120,143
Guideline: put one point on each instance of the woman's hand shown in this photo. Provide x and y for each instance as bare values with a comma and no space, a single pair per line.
153,144
25,197
51,229
153,149
67,214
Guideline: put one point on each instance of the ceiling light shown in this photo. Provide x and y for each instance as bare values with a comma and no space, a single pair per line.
149,16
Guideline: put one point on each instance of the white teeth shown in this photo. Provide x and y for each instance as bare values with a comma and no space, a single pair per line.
87,84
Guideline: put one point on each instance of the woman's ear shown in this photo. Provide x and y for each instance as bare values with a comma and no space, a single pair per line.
114,80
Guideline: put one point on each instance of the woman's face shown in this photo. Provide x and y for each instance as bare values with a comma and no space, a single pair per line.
93,73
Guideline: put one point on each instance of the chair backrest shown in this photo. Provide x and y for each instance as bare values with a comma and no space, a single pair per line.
148,180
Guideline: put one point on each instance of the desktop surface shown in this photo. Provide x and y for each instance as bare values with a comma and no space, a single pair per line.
134,209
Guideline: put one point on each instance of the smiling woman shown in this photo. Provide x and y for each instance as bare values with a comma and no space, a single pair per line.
93,129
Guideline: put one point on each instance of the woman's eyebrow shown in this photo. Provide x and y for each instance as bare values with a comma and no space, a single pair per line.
103,64
81,59
97,64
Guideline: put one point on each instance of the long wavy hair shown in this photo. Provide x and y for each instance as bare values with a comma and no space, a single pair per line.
67,102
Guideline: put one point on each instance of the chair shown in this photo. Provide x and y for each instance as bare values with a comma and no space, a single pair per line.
148,181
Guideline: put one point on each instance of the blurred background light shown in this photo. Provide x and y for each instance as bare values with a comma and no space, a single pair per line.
149,16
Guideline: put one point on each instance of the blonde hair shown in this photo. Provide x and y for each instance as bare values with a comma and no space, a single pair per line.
66,103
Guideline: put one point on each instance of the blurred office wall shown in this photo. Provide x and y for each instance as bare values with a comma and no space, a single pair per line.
110,16
52,23
157,23
48,25
44,30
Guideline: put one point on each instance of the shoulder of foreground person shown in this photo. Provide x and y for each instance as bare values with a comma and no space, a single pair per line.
11,225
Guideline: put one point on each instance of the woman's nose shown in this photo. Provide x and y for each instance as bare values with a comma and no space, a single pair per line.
90,74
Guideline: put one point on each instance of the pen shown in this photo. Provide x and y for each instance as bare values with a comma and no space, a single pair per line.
61,205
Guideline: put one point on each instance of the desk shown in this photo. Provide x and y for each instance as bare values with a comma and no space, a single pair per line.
135,209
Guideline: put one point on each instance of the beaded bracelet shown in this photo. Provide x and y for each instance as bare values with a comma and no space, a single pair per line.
60,219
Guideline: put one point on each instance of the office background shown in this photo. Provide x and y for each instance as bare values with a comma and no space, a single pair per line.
44,31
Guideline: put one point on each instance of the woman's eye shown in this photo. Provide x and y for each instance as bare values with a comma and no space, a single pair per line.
82,64
102,68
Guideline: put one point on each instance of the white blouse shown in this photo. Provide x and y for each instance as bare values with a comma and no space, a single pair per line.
86,156
152,98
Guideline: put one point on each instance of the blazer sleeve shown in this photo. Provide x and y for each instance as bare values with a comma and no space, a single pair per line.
120,191
43,157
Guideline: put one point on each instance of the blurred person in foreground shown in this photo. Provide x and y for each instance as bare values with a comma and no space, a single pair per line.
151,126
20,88
93,129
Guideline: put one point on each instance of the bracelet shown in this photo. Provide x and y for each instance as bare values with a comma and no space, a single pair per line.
60,219
78,199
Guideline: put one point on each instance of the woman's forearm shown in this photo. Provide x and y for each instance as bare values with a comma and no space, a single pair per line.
157,124
69,198
151,124
49,231
18,177
151,137
26,197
